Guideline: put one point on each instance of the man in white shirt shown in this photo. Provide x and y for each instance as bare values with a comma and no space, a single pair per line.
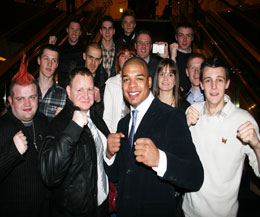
152,151
223,135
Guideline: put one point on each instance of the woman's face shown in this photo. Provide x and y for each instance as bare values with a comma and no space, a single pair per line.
166,79
124,57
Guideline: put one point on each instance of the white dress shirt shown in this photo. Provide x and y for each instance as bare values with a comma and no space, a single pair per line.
142,109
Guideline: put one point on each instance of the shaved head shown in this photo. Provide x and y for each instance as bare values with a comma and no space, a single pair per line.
136,61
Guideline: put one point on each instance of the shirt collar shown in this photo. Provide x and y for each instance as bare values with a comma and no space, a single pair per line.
103,48
225,110
184,51
143,107
147,59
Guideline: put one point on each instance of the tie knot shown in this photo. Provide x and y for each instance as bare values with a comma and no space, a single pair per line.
134,114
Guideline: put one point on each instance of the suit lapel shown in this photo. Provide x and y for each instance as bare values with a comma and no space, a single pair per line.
149,119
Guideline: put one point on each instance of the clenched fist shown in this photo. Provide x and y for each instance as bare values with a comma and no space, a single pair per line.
80,118
113,144
20,142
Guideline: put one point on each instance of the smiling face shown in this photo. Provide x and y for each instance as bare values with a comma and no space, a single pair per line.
81,91
214,84
184,37
143,46
193,71
136,83
166,79
24,102
48,62
74,32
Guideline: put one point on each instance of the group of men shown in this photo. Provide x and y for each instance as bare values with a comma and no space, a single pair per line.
156,151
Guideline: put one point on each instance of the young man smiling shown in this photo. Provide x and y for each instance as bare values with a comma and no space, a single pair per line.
71,51
193,72
152,151
223,135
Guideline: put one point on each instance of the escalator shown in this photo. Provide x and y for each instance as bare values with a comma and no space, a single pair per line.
31,34
215,36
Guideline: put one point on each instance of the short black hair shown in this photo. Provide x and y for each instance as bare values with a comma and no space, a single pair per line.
143,31
128,12
184,25
136,61
74,20
49,47
214,62
107,18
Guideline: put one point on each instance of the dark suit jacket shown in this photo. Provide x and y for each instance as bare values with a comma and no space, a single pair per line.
140,191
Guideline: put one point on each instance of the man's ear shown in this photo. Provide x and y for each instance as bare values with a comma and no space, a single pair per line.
68,90
84,55
150,81
227,84
38,60
10,99
187,72
201,86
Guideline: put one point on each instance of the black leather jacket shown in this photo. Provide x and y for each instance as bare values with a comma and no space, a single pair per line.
69,164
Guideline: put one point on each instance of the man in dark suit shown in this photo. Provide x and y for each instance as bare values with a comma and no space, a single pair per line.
72,157
160,157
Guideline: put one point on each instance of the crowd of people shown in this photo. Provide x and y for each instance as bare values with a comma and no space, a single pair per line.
158,126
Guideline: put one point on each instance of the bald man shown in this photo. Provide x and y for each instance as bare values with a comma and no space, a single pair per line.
156,150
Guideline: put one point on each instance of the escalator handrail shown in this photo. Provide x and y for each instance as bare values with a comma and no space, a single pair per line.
244,82
205,14
28,21
241,14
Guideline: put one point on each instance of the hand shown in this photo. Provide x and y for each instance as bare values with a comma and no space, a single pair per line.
80,118
20,142
247,134
166,53
173,50
113,144
52,39
192,116
58,109
146,152
97,94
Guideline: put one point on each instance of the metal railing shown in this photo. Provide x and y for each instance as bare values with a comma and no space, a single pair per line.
56,27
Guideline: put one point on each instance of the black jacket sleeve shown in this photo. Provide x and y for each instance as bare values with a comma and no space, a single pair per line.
57,153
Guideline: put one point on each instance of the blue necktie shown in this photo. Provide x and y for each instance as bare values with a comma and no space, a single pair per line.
132,131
